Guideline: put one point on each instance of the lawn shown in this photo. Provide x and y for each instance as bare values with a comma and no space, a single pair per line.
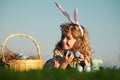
59,74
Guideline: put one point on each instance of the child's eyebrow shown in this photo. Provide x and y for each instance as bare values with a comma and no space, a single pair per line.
68,36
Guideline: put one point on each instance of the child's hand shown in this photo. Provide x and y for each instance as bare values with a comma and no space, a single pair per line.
56,64
81,58
68,57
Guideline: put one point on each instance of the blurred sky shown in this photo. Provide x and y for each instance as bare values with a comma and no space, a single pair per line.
41,19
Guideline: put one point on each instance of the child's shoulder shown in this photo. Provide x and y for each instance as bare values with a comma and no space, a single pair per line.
48,63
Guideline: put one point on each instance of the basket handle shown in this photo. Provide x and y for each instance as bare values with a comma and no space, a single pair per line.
19,34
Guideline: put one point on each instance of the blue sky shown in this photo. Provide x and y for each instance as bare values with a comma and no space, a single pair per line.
41,19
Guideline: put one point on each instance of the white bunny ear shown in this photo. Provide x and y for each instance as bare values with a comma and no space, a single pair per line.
68,17
76,20
64,12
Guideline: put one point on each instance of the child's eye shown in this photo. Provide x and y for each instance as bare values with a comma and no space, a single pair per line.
68,37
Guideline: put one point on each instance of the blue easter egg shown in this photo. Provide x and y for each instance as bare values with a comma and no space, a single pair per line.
77,54
115,68
22,56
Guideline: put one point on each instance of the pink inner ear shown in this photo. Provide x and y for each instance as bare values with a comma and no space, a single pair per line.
64,12
75,14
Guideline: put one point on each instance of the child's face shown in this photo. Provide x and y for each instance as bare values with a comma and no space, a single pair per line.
68,41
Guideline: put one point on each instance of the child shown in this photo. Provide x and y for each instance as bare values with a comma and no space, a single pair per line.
73,48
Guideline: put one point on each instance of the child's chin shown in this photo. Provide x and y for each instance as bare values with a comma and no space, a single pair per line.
66,48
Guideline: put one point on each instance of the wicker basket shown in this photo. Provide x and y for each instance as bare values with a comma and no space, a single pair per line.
23,65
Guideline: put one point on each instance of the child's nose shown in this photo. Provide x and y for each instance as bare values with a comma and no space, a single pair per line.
64,39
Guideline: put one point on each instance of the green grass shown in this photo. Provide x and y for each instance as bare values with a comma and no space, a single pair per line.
59,74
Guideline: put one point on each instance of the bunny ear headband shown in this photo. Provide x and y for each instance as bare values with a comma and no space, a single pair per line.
75,21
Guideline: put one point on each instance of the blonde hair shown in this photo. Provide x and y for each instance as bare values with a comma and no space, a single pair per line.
82,42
